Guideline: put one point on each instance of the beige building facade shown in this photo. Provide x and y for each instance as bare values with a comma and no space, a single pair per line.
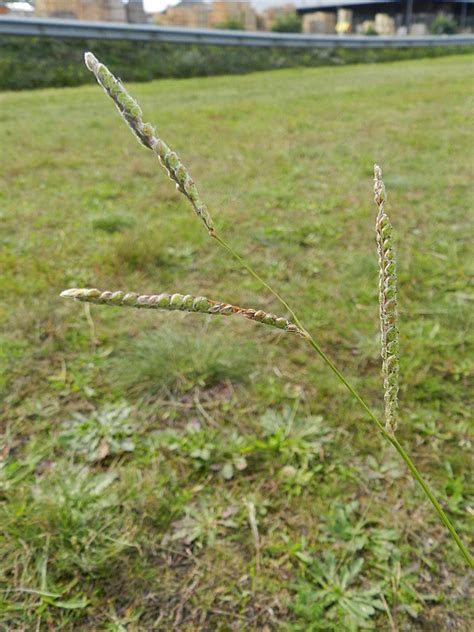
55,8
320,22
189,13
268,17
223,12
200,14
94,10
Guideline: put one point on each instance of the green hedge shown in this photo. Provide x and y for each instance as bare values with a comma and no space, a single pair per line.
27,63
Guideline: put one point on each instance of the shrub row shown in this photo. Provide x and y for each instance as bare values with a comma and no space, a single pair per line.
27,62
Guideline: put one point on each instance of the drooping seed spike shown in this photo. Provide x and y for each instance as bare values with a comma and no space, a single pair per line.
145,133
387,304
176,301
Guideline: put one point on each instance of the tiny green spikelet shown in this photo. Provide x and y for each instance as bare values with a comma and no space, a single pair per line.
145,133
388,304
181,302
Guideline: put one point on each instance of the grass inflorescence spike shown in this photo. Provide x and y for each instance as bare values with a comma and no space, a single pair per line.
387,304
180,302
146,135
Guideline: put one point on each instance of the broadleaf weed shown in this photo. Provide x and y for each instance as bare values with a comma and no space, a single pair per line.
106,432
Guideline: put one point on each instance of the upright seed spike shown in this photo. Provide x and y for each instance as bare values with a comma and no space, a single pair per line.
387,304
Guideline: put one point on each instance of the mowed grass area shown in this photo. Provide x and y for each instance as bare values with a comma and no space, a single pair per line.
182,472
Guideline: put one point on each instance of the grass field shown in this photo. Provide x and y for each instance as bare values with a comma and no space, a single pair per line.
185,472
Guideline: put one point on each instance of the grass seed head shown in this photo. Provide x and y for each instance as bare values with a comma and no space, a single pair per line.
388,304
176,301
145,133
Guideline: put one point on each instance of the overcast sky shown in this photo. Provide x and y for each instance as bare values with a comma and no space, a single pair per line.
159,5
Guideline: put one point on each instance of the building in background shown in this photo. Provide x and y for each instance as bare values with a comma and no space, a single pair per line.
135,12
101,10
218,14
319,22
94,10
385,17
56,9
371,17
189,13
269,17
19,9
229,12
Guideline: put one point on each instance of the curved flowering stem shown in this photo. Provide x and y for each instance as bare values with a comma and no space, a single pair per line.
181,302
132,114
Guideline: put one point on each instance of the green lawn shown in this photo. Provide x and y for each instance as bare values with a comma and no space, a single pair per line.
184,472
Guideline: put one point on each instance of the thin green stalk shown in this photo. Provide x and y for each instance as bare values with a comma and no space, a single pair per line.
249,269
393,440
